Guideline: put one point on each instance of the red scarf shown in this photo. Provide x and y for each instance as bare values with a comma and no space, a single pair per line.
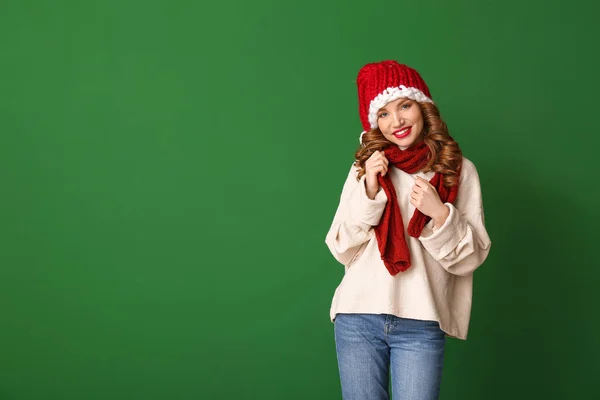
390,231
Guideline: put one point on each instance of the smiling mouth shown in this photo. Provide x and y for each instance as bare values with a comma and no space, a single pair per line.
402,133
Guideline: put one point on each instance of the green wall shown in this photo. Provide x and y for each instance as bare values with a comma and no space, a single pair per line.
169,170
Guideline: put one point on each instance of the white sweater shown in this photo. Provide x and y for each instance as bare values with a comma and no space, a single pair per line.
438,285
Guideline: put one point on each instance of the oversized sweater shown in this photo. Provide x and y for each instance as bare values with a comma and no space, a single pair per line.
438,285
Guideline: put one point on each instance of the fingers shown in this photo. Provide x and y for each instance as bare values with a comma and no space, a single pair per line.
419,187
383,157
417,198
378,155
416,193
373,163
424,196
422,183
377,163
423,186
379,168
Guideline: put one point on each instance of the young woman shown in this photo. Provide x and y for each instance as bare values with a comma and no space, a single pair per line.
410,231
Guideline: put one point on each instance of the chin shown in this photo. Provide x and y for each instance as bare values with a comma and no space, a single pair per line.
406,142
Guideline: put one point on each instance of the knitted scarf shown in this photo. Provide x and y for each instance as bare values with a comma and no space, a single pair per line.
390,231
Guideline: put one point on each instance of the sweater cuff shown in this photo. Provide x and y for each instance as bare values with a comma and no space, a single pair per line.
363,209
443,240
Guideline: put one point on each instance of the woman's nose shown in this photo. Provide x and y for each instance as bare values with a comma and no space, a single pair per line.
398,120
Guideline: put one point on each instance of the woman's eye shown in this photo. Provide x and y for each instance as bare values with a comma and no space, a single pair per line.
383,114
405,106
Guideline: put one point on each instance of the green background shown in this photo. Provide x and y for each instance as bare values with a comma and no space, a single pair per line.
169,170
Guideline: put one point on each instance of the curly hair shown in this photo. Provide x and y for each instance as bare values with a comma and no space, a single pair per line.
446,156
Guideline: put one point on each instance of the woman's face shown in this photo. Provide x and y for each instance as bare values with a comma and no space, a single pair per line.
401,122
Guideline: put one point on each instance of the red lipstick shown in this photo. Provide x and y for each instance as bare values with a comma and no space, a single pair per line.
402,133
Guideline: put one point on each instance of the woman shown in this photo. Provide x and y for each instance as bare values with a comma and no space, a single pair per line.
410,231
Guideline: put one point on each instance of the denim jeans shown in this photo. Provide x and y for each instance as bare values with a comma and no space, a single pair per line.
371,347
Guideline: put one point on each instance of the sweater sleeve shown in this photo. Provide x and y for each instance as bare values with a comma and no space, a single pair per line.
354,219
462,243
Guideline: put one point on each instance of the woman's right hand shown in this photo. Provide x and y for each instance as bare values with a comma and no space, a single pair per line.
375,165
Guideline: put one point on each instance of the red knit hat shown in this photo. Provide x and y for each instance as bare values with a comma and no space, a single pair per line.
385,81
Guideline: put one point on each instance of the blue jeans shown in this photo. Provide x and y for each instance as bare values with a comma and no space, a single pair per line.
371,346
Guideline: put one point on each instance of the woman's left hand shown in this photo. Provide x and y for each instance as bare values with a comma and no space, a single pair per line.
426,199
